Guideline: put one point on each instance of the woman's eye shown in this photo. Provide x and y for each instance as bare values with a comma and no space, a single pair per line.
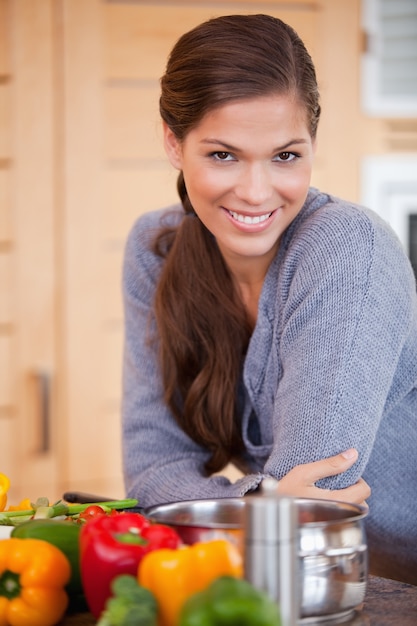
286,156
222,156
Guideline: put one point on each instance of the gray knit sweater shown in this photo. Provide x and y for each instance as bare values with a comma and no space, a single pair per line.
332,364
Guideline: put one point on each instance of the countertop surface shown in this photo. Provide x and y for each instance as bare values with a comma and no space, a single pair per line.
387,603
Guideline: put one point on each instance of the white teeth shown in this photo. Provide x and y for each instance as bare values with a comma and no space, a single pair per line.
246,219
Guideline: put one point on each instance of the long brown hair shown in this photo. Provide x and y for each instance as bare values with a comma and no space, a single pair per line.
203,328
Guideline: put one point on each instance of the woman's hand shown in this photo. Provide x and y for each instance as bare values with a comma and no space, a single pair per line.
300,481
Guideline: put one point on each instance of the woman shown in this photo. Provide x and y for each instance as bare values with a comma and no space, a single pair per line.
268,325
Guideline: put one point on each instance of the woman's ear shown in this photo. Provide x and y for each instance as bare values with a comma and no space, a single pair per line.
172,147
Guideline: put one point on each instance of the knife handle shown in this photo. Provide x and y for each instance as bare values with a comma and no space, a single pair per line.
80,497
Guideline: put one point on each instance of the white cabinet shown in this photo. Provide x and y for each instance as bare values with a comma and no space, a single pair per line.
389,60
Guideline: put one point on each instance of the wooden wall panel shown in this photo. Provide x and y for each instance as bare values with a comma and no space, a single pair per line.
106,478
111,366
87,293
7,338
112,285
131,191
6,311
140,35
6,314
340,106
5,114
4,39
132,123
8,457
6,372
5,213
31,120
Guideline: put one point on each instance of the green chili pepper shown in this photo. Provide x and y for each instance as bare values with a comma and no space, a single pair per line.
230,601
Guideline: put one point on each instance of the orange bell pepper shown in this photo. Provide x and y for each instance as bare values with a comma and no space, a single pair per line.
4,488
174,575
23,505
33,574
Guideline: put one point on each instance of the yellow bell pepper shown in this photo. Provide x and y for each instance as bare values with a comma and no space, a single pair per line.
33,574
4,488
24,505
174,575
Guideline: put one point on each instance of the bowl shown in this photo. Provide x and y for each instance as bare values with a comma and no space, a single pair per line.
5,531
332,548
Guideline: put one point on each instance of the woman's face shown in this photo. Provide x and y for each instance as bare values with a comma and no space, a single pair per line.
247,168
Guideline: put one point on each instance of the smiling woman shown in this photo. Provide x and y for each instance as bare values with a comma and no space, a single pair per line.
267,324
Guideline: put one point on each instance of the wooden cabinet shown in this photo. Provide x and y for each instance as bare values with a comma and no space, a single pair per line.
29,320
80,158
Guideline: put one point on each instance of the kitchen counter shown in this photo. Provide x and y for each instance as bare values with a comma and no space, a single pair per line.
387,603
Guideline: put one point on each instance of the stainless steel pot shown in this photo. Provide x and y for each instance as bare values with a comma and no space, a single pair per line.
332,548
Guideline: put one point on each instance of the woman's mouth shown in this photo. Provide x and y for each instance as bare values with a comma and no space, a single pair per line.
249,219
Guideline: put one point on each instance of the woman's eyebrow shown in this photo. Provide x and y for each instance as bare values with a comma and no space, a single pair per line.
230,148
219,142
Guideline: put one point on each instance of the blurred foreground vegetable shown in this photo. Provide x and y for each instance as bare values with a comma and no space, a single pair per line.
4,488
33,574
114,545
130,605
62,534
43,510
23,505
174,575
230,602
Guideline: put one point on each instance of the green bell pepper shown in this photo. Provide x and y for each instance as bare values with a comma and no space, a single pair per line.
230,601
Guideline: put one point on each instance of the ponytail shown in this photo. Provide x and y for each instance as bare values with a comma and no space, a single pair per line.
203,333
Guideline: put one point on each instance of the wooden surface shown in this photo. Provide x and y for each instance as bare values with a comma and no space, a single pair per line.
390,603
387,603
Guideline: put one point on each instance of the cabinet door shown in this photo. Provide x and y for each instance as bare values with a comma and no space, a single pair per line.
28,255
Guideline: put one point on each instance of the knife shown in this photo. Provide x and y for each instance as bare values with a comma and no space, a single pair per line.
80,497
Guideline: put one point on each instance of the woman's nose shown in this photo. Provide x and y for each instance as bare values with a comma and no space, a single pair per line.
254,185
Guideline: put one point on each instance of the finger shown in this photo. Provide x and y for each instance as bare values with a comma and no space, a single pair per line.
330,466
357,493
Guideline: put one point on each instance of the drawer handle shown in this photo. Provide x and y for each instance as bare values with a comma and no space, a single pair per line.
42,380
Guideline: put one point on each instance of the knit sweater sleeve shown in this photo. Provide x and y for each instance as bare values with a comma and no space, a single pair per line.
347,312
160,462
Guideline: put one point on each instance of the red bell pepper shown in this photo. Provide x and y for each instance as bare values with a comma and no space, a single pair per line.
113,545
